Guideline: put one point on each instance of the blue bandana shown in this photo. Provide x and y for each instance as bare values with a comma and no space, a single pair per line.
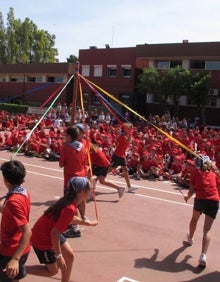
17,190
78,183
76,145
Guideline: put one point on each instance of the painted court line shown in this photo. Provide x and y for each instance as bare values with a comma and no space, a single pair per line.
46,175
126,279
38,166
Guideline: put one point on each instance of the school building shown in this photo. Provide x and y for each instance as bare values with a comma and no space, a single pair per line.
115,70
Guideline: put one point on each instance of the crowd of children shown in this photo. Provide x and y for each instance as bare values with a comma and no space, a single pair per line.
151,154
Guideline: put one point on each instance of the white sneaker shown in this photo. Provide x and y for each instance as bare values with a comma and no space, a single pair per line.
190,240
202,260
76,227
86,218
131,189
121,191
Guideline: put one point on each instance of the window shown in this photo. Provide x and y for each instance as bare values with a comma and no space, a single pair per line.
98,71
85,70
111,71
126,70
17,78
31,79
212,102
39,79
168,64
85,97
197,65
124,98
2,78
50,79
175,63
212,65
95,99
163,64
58,79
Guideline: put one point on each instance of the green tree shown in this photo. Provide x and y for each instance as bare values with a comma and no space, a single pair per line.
147,83
174,83
166,85
2,39
23,42
199,93
72,59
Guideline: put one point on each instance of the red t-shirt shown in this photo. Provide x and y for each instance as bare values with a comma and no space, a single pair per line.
205,184
121,145
73,161
98,158
133,163
41,231
14,215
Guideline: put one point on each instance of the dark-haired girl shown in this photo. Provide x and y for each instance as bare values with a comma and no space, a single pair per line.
47,239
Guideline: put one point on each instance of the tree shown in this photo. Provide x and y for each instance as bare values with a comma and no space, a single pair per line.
174,83
147,83
2,40
72,59
23,42
168,85
199,93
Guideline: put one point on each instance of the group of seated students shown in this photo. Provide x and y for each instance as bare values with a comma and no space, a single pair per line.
151,155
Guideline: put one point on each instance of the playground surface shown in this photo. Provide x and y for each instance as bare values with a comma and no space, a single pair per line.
140,238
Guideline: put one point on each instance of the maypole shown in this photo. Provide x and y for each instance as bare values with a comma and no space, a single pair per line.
75,91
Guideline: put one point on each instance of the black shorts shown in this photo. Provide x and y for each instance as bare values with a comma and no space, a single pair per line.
117,161
48,256
208,207
22,270
100,171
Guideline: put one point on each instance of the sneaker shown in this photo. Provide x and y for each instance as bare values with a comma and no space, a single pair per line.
131,189
72,232
202,260
86,218
121,191
136,176
190,240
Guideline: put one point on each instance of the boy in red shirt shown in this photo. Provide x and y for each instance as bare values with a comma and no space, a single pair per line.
73,160
15,230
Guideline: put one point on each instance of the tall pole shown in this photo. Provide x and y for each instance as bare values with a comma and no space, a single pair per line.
75,91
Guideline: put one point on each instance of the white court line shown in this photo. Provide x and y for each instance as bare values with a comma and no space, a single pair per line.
111,189
38,166
163,200
43,174
126,279
150,188
60,170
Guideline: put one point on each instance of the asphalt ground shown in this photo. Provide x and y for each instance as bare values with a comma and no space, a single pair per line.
139,238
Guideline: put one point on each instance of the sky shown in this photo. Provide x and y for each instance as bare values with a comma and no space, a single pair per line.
80,24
